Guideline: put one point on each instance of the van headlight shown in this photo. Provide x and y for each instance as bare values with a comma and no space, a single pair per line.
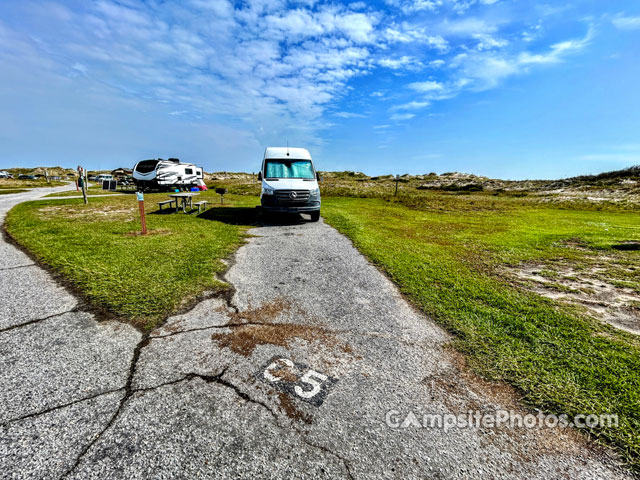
267,191
314,192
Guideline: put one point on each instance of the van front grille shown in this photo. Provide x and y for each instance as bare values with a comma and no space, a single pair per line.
292,196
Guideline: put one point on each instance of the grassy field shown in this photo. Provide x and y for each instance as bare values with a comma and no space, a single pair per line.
448,253
7,191
142,278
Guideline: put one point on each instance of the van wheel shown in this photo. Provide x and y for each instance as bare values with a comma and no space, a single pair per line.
315,216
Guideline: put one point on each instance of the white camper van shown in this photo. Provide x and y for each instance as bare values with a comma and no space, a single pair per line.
289,182
166,174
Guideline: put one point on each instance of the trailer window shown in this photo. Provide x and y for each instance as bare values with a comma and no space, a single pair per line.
146,166
285,168
188,171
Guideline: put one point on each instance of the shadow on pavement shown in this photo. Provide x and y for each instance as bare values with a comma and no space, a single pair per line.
250,216
232,215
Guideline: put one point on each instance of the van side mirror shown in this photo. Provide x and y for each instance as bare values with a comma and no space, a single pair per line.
318,177
259,176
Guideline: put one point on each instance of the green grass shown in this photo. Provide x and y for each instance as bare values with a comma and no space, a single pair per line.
447,252
7,191
140,278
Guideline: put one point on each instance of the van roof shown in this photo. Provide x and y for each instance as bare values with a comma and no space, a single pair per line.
293,152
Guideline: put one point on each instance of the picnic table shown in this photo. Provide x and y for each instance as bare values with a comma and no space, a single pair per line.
184,198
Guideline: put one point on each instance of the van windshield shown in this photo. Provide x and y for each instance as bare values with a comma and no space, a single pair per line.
285,168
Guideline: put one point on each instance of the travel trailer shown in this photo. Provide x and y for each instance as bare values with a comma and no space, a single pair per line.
168,174
289,182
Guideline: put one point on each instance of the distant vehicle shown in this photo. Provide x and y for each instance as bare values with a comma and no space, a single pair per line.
103,176
91,178
168,174
289,182
26,177
4,174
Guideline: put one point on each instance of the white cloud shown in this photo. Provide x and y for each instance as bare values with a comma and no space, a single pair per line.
414,105
467,27
488,42
404,62
406,33
484,70
398,117
557,51
349,115
412,6
427,86
272,67
626,23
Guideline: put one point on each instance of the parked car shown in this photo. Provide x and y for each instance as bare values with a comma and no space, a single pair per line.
289,182
26,177
4,174
91,178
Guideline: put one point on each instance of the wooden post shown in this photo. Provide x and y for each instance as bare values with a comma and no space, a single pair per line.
143,219
396,193
82,173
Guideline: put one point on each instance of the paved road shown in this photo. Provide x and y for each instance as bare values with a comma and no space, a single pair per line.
293,376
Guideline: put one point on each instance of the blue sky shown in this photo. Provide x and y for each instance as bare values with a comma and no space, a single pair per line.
503,88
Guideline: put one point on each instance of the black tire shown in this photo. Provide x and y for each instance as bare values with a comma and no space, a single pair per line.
315,216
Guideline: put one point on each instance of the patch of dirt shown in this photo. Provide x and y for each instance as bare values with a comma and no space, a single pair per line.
264,313
257,326
291,410
462,390
614,304
117,212
243,339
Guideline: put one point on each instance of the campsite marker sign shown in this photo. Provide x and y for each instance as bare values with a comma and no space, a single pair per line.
143,219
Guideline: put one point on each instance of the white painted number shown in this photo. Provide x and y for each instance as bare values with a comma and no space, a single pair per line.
305,387
278,363
309,379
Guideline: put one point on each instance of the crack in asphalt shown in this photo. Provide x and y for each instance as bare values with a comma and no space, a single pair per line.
221,381
58,407
217,379
128,393
31,322
199,329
